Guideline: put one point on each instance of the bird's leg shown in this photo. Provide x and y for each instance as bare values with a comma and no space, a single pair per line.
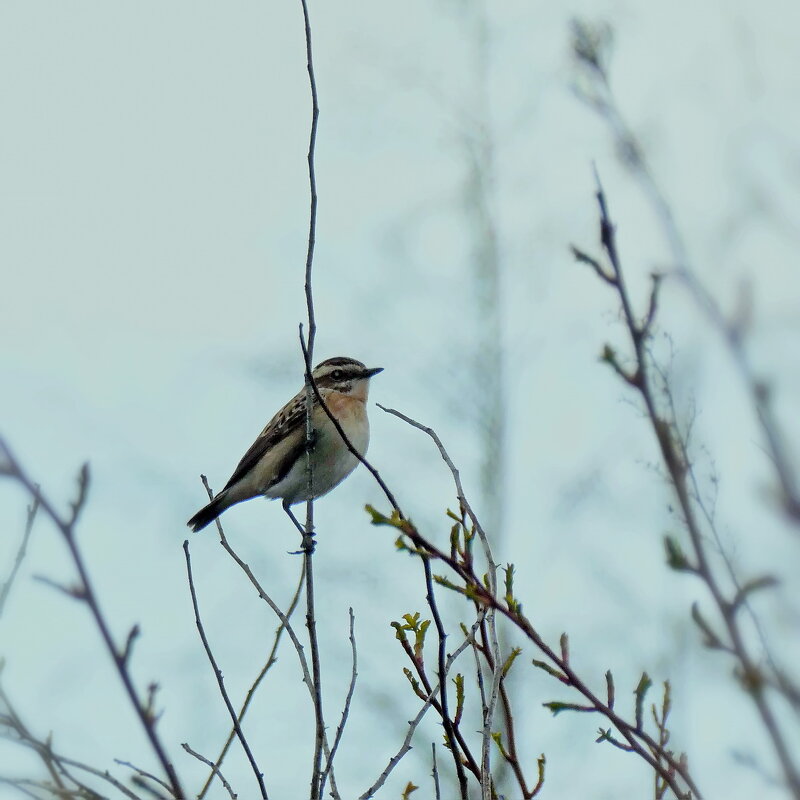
307,545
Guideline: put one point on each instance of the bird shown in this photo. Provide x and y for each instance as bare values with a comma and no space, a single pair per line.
276,466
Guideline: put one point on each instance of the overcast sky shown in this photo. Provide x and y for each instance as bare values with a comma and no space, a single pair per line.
153,224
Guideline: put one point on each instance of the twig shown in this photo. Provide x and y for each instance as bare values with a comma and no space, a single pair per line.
476,649
585,258
442,672
346,710
141,783
133,635
435,772
284,619
412,727
492,647
214,769
271,659
312,178
462,498
778,677
142,773
55,763
308,543
495,660
218,675
587,46
14,723
278,613
499,689
311,624
452,731
640,741
67,530
21,785
678,468
32,509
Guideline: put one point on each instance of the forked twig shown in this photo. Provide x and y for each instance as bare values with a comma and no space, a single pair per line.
679,469
57,765
412,727
66,528
214,769
588,47
271,659
490,622
298,647
218,675
672,769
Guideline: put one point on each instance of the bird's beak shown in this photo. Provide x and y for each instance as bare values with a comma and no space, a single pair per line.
368,373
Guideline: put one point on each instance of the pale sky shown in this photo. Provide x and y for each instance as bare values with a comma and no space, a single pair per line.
153,223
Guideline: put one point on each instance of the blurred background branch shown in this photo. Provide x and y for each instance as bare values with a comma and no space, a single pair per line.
642,376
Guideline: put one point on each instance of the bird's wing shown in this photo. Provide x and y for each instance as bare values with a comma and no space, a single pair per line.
285,426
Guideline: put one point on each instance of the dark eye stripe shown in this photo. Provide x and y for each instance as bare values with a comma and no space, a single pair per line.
345,376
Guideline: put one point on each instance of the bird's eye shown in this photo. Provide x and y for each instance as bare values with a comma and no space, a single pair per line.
337,374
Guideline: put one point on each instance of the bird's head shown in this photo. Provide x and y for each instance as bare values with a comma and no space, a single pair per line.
344,375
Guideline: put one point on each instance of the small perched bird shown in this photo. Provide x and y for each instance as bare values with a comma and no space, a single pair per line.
275,466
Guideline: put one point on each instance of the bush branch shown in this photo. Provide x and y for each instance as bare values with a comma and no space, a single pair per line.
66,528
220,680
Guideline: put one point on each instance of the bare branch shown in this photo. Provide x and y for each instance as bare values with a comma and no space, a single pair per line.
133,635
21,785
308,350
142,774
346,710
311,624
6,589
271,659
281,616
214,769
680,473
412,727
66,528
442,672
57,765
462,498
218,675
585,258
640,742
589,46
494,661
435,773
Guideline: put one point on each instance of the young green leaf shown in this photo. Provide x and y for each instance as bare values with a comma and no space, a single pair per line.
641,690
459,683
408,790
543,665
510,660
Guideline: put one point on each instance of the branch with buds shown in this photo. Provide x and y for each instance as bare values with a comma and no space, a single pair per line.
673,451
482,592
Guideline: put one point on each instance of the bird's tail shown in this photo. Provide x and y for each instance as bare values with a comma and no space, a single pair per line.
207,514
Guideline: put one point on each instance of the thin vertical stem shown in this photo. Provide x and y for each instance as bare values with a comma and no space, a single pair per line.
308,543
